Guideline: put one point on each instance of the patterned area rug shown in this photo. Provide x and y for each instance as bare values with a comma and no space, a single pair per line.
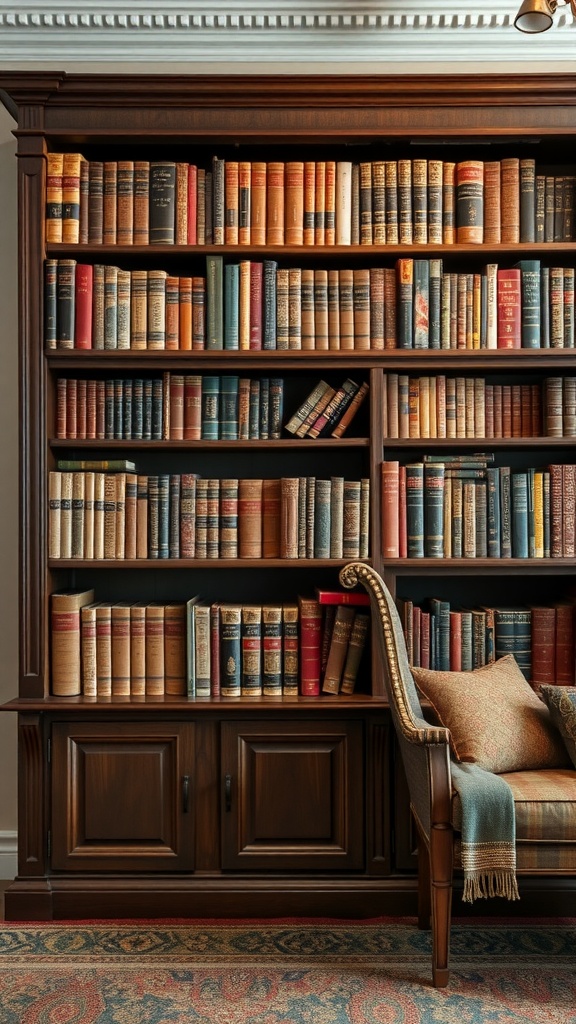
288,972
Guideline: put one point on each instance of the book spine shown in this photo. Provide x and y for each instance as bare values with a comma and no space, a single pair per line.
310,613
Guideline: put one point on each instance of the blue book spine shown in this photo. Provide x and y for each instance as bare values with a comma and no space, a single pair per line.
138,409
210,408
164,515
520,515
545,308
128,409
493,477
230,650
434,510
229,387
276,407
254,410
322,499
530,302
269,305
231,307
157,409
415,509
147,411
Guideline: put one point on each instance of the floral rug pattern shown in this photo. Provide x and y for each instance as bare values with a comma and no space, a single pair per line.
266,973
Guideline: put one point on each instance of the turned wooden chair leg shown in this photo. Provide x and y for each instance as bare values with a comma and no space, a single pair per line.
441,898
424,899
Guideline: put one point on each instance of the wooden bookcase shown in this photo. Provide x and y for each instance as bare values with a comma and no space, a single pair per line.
244,806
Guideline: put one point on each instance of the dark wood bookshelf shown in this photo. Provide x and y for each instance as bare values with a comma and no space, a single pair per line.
297,805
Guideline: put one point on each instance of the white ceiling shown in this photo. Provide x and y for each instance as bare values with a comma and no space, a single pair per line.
373,36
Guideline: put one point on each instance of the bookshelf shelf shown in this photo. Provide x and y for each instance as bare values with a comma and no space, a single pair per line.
344,846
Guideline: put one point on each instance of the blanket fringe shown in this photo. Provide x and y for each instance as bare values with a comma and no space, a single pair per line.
482,885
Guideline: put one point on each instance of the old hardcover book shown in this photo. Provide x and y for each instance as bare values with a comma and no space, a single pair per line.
509,308
510,192
470,201
175,648
125,203
230,650
250,518
155,659
138,649
65,611
290,650
251,646
162,222
275,202
338,648
54,172
356,646
109,230
231,202
88,650
310,613
120,625
71,173
141,216
104,650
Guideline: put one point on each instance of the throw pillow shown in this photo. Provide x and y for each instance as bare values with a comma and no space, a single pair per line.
495,718
562,703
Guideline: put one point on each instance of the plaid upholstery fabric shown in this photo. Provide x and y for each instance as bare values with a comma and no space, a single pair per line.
545,805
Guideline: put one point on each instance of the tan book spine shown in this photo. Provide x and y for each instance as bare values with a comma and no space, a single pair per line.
155,666
77,515
54,174
289,517
110,518
320,204
510,193
71,171
110,202
351,519
333,310
201,206
343,202
175,648
120,503
271,518
309,202
66,641
156,312
330,203
424,404
104,650
405,219
125,203
420,201
139,309
120,625
361,292
250,518
275,203
258,210
99,501
138,650
141,202
181,215
346,282
470,407
172,313
54,513
322,401
66,515
379,202
492,203
338,648
88,650
414,407
294,203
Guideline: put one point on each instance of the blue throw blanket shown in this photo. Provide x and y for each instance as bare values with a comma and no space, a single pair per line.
488,833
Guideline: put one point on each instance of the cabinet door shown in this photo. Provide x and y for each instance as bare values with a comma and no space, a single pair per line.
122,796
293,795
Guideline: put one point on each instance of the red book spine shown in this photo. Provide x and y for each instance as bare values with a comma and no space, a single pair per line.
256,269
390,510
192,408
509,309
100,409
91,410
176,407
83,288
402,518
81,409
61,401
71,408
543,646
356,597
310,646
564,645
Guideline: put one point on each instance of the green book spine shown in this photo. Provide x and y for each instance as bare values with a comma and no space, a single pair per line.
519,493
467,641
231,307
527,199
214,303
254,410
415,509
530,271
264,417
434,510
493,511
276,407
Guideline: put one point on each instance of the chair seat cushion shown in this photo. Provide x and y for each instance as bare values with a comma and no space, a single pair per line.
545,805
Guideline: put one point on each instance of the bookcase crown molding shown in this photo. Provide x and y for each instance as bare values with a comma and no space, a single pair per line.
295,32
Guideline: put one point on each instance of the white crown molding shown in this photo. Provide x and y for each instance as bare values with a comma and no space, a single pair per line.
240,31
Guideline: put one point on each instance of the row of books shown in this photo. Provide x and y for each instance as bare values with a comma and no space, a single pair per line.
174,407
328,411
471,407
196,649
541,638
467,509
123,515
305,202
257,305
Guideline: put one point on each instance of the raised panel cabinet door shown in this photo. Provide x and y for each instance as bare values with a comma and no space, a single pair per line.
293,795
122,796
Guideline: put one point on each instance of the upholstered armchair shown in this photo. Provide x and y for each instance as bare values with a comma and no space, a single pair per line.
542,797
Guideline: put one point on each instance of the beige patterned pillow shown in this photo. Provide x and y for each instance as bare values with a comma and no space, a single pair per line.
494,716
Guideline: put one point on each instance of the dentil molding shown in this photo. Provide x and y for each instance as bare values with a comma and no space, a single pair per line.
387,32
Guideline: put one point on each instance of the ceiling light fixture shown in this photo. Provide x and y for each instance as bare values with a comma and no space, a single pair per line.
537,15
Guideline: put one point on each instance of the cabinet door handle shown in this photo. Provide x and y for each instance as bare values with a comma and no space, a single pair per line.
185,793
228,792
